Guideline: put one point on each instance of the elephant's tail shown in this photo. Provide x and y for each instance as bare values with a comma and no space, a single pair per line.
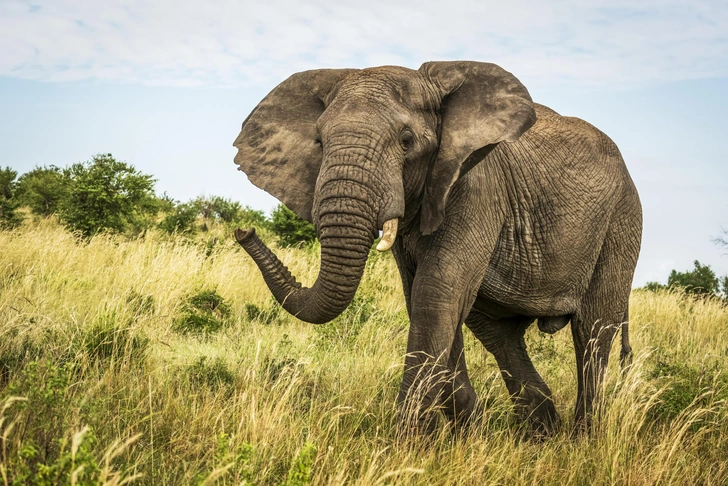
625,355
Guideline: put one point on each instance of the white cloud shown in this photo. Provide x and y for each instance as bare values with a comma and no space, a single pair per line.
227,42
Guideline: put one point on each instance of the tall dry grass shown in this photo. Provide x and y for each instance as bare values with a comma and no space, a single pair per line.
96,384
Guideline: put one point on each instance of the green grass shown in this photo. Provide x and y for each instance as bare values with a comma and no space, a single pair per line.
105,377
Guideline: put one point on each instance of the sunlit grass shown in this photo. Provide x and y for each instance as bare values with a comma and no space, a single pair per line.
89,346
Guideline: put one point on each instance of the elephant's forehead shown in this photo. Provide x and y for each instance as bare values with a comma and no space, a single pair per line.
387,84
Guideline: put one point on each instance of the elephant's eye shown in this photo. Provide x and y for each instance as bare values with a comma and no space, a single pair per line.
407,141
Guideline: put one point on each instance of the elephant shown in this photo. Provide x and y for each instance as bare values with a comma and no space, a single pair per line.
499,212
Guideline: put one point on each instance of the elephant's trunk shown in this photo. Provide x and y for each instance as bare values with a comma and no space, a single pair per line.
345,243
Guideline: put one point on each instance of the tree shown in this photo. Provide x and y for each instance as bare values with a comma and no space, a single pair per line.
9,218
218,208
722,240
290,229
107,195
700,281
181,219
253,217
43,189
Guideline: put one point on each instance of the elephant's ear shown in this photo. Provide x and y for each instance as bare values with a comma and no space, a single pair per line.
277,146
482,104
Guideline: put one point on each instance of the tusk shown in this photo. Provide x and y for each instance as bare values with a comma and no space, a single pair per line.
389,233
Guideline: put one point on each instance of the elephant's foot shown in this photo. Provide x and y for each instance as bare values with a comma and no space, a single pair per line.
538,411
461,405
413,422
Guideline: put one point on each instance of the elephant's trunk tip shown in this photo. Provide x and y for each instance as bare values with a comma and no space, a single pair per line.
241,236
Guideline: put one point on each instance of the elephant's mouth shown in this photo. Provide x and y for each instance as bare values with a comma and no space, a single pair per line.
389,234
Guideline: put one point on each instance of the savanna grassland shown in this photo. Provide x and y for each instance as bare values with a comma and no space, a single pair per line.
162,360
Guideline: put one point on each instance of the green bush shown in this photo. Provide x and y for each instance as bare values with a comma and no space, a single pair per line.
265,315
217,208
686,385
9,203
46,411
300,472
43,189
181,219
107,195
105,340
211,373
203,313
289,228
701,280
140,303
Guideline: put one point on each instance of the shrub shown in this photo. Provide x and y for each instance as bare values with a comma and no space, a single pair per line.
217,208
203,313
266,315
9,218
46,410
253,217
181,219
107,341
300,472
107,195
701,280
686,384
289,228
43,189
213,373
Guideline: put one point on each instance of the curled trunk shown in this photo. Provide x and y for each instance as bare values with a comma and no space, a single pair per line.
345,243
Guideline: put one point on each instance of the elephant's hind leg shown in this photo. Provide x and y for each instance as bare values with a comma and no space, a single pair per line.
602,313
504,338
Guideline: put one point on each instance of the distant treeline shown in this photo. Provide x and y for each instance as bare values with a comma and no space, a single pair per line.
108,195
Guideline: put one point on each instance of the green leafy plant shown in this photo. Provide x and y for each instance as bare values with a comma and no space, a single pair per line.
43,189
700,281
218,208
290,229
211,373
9,203
300,472
203,313
686,385
45,413
264,315
181,219
105,340
105,194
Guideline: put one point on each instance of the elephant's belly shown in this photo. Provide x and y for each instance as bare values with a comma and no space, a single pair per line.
505,292
507,307
541,272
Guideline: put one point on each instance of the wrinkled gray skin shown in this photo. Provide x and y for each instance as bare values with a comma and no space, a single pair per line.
508,213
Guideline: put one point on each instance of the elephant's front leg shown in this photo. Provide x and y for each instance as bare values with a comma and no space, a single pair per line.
435,378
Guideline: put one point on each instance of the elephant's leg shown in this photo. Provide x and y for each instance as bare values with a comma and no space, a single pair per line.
601,314
461,404
440,299
504,338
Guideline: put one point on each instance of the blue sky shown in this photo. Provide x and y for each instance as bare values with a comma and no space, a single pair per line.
166,85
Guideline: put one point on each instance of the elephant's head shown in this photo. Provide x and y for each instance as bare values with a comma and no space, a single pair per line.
351,150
